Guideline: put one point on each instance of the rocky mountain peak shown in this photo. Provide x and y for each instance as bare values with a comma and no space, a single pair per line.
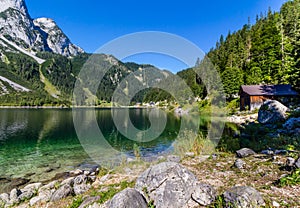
14,4
41,34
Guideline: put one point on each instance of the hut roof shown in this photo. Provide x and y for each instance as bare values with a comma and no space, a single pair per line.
269,90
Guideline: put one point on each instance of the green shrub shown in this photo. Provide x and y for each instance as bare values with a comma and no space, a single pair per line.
290,180
190,141
76,202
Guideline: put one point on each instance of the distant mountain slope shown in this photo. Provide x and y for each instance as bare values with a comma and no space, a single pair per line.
19,49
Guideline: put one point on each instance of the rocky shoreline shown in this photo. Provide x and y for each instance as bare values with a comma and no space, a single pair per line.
245,178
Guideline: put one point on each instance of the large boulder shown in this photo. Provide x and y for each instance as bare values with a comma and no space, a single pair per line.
129,198
245,152
243,196
167,184
62,192
272,112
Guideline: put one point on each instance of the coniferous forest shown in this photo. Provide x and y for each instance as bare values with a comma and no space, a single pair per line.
267,52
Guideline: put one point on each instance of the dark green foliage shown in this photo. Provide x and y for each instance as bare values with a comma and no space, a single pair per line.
58,70
232,79
194,81
156,95
266,52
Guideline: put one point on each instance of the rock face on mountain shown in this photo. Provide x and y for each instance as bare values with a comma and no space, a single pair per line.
55,39
41,34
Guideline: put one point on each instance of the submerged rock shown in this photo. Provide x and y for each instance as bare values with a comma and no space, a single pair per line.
243,196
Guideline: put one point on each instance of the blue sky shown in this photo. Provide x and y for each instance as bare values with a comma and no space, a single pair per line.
92,23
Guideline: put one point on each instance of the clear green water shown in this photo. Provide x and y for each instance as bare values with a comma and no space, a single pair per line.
39,143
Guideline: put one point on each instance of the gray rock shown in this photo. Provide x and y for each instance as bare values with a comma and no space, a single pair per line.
81,184
190,154
129,198
272,112
214,156
34,186
27,194
81,179
173,158
243,196
204,194
88,201
4,199
76,172
14,196
281,152
240,164
95,169
95,205
43,196
292,123
86,172
81,188
62,192
267,152
34,200
290,161
92,178
168,184
297,163
69,181
29,191
51,185
45,193
245,152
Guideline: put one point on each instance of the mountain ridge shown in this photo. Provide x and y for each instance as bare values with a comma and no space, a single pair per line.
34,35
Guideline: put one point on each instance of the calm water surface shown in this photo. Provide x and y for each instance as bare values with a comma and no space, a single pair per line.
38,143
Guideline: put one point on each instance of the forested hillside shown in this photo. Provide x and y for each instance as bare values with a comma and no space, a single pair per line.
264,52
267,52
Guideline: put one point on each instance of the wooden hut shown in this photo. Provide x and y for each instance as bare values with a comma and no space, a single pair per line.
253,96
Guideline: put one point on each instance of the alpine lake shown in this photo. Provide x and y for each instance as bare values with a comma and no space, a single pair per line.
37,144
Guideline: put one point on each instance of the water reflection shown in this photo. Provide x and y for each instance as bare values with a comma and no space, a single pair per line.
43,142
